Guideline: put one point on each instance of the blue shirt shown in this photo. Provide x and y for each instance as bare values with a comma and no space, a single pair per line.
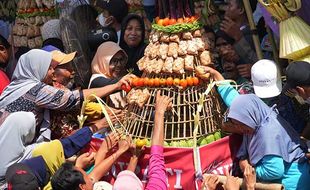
228,93
275,170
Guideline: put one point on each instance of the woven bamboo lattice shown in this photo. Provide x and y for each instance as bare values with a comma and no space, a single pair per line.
179,122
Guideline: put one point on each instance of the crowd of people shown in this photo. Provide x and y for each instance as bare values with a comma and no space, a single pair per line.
40,100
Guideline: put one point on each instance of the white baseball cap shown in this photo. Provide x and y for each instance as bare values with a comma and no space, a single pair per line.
266,79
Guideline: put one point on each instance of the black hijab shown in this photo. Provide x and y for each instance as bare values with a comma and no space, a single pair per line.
134,53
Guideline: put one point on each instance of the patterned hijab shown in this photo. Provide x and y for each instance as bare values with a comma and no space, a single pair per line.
30,70
272,136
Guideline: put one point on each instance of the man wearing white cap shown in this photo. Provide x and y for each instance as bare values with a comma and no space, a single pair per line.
266,78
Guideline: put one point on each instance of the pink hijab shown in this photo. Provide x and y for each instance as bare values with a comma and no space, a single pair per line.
101,61
127,180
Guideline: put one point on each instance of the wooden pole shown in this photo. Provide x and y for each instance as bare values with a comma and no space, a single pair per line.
275,50
249,14
258,186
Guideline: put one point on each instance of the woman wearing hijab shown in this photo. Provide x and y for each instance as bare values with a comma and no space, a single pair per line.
108,66
29,91
132,41
270,144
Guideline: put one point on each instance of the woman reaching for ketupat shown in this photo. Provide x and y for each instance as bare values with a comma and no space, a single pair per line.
270,144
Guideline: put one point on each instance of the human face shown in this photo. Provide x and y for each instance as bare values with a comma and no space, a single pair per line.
210,39
233,11
49,75
63,74
133,33
117,65
220,45
88,182
226,50
235,126
4,56
230,70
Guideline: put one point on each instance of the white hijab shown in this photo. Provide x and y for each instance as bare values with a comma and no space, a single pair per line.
30,70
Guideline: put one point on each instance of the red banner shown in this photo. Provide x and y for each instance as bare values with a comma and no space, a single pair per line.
218,157
215,158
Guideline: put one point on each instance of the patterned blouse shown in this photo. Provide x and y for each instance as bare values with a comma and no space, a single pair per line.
42,97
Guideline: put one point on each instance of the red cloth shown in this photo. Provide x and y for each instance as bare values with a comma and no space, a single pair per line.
216,158
4,81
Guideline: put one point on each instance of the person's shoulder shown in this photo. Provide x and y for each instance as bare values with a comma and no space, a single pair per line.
100,81
37,88
3,77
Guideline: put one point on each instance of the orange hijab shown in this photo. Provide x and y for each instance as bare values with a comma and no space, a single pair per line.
101,61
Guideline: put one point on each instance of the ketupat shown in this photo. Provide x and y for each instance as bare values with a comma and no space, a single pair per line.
203,142
174,144
210,138
93,111
190,143
140,143
166,144
217,135
183,143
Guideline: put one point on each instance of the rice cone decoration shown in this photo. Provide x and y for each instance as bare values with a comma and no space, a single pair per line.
294,32
295,38
306,59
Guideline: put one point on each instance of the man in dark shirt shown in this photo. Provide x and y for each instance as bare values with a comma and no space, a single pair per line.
235,24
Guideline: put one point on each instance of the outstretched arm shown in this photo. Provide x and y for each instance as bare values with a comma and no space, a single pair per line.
157,171
104,91
103,167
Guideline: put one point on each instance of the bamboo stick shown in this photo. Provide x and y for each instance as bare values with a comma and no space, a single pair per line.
258,186
275,50
249,14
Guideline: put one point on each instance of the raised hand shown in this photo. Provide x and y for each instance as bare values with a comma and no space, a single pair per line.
249,177
125,81
163,103
244,70
231,28
85,160
210,182
232,183
124,144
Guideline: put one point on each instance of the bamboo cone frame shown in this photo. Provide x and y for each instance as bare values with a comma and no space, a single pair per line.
179,122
